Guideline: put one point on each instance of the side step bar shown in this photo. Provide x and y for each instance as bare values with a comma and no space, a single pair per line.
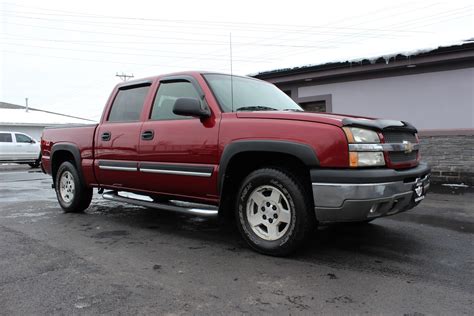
202,210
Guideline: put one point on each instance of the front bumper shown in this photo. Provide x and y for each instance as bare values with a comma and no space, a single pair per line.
349,195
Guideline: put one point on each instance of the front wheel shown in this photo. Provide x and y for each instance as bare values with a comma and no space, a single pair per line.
274,212
72,195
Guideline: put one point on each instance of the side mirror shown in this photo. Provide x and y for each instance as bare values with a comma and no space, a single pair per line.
190,107
32,141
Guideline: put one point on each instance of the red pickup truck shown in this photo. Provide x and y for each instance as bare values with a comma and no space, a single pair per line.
212,144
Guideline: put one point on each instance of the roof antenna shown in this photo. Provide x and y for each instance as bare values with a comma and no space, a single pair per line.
231,74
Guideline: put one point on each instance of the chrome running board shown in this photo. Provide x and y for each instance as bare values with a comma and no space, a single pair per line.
202,210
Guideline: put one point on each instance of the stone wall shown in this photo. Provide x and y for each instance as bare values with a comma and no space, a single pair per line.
451,158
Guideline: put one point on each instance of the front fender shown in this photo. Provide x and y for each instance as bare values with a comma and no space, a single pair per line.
301,151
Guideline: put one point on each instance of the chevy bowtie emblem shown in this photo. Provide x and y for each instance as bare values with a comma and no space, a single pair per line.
407,146
419,190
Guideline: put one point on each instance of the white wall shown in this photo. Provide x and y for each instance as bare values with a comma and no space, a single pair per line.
33,131
437,100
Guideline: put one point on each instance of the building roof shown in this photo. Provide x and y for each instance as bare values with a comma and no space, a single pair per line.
458,53
13,114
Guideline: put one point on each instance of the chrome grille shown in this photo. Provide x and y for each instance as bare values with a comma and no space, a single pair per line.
399,137
400,156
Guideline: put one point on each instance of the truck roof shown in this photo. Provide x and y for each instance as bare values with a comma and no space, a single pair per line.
180,73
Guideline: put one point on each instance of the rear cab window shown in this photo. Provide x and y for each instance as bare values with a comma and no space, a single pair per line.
128,104
6,138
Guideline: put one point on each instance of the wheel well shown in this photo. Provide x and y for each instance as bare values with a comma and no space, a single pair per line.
244,163
59,157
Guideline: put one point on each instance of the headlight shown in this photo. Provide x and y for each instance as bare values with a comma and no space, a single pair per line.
366,159
365,149
360,135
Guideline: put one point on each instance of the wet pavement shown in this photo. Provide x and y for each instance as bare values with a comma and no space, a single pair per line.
122,259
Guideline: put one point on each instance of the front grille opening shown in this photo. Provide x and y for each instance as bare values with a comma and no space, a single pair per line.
400,156
399,137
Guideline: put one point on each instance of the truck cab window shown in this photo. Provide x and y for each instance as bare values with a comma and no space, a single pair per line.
5,138
166,96
20,138
128,104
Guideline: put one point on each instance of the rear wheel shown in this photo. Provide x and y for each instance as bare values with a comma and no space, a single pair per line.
72,195
36,164
274,212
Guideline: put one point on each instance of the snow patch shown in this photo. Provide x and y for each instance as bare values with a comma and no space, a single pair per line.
454,185
371,59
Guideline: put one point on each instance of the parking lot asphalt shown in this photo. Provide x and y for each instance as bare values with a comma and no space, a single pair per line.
123,259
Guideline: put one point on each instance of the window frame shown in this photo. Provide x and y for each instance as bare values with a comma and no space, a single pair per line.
16,140
175,79
11,138
135,85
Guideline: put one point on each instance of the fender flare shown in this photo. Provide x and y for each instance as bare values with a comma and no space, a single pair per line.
301,151
74,150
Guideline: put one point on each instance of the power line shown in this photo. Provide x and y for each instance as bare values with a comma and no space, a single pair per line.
187,40
134,54
176,66
249,25
73,42
338,38
436,17
175,28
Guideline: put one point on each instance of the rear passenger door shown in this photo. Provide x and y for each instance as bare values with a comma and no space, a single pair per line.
178,154
118,135
7,147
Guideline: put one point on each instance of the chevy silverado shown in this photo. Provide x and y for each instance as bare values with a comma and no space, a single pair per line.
212,144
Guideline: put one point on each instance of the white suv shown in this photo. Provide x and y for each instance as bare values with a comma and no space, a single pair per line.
19,148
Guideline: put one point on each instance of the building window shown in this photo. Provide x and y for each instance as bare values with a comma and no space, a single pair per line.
317,103
316,106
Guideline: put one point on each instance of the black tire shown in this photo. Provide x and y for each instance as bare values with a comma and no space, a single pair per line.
302,216
80,197
37,162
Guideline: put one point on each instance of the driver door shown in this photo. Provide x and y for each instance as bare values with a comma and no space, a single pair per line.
178,154
26,147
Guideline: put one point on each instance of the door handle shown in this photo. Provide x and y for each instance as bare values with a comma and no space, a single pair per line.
106,136
148,135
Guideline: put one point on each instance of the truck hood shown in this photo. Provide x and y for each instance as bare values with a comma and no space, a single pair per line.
332,119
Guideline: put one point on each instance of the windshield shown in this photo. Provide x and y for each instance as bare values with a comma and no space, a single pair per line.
248,94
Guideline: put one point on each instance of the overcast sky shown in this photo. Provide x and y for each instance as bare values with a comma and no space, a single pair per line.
64,55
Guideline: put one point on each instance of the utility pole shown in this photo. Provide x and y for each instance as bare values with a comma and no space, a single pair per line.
26,104
124,76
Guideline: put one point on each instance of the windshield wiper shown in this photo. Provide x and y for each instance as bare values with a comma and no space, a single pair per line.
256,108
293,110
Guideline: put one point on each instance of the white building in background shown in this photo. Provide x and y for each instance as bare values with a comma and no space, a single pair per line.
16,118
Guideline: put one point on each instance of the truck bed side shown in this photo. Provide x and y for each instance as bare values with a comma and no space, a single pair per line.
74,143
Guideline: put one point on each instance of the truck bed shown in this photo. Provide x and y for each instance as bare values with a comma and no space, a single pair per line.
81,136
